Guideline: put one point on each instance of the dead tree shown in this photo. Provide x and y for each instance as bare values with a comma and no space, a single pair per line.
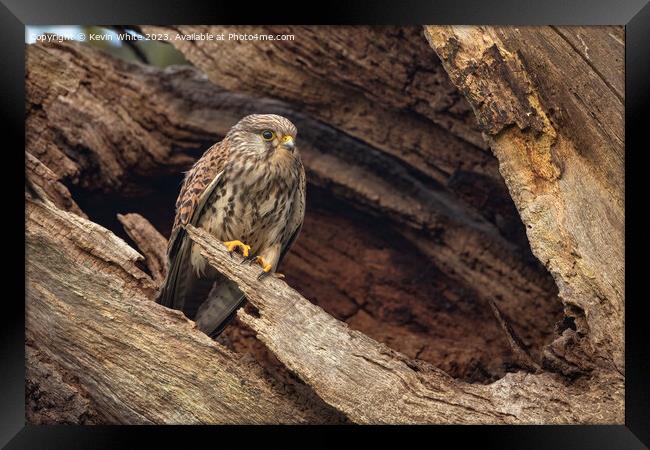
433,293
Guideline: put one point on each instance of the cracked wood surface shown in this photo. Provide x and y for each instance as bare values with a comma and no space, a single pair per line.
149,241
89,310
39,174
407,163
550,103
371,383
355,78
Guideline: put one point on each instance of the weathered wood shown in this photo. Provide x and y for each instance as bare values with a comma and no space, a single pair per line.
554,119
85,122
399,177
518,347
53,395
371,383
150,242
602,48
450,230
89,311
39,174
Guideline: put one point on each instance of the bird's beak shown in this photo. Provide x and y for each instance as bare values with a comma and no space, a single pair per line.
287,143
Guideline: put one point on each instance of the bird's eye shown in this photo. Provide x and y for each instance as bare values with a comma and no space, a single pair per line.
268,135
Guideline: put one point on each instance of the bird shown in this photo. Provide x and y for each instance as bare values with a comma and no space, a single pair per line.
248,191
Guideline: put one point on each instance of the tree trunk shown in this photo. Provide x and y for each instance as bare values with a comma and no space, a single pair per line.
435,272
557,128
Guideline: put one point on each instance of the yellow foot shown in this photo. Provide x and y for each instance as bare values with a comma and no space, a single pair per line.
265,266
234,245
266,269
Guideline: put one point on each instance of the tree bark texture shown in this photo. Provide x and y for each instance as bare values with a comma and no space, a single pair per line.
557,128
371,383
412,284
89,311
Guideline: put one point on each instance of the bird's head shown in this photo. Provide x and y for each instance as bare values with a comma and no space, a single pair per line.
265,133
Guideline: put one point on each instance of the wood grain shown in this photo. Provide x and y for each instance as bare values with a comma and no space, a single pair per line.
371,383
89,309
435,223
555,121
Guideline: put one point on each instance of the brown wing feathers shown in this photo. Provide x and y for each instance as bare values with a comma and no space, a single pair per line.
197,179
181,283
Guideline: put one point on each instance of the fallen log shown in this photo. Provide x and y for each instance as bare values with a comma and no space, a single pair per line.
404,202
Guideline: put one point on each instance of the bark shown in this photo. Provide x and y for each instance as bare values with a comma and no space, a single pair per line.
371,383
39,174
85,123
149,241
352,77
53,394
425,235
553,115
89,311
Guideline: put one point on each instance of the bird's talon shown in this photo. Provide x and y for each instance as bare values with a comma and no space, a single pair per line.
248,259
269,273
234,245
266,267
260,260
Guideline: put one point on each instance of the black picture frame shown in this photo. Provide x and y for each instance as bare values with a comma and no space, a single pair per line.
633,14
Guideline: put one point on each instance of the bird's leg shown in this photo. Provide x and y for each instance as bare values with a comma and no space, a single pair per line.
234,245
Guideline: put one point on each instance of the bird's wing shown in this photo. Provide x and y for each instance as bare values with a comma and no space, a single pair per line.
182,282
294,224
199,182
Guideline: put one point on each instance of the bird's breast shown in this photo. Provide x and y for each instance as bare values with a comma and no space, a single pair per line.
251,205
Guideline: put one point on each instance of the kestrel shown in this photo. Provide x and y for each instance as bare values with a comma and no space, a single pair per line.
248,191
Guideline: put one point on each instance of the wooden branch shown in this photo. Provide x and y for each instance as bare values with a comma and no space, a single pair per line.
370,383
89,311
85,119
164,115
398,148
555,122
150,242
